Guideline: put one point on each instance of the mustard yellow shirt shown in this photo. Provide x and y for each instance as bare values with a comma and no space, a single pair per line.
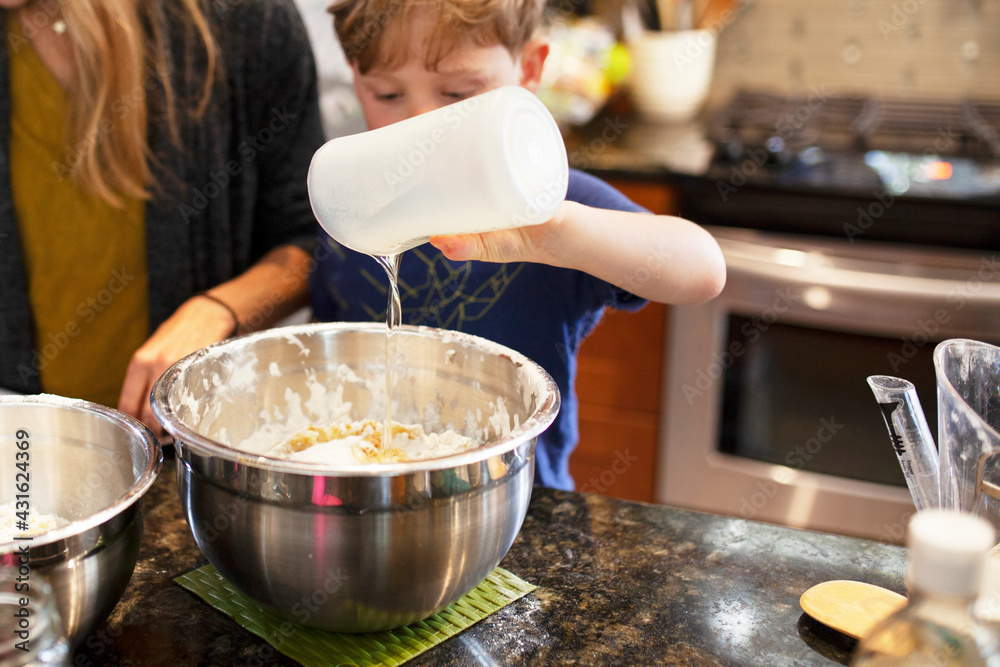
85,260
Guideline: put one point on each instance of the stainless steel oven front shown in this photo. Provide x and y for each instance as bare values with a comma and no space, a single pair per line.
767,414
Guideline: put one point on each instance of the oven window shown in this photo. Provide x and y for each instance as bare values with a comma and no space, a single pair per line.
798,396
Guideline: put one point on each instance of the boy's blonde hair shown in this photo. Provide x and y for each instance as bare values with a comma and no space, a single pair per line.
369,30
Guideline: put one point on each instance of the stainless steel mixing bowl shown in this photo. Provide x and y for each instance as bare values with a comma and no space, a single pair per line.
380,545
90,465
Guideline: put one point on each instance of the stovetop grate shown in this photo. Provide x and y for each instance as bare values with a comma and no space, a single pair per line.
787,124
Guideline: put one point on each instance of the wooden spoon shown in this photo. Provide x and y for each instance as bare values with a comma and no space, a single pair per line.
851,607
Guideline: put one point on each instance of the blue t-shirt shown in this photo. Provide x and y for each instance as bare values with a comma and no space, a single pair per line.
541,311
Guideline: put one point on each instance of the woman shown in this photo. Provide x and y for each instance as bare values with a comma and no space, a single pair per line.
153,160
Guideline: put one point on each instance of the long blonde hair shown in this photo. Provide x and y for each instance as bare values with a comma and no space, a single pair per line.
114,65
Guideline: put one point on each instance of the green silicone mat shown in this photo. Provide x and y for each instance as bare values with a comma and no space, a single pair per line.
318,648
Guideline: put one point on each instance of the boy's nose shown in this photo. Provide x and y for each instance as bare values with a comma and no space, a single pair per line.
419,106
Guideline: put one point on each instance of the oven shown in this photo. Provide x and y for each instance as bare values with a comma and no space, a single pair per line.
858,233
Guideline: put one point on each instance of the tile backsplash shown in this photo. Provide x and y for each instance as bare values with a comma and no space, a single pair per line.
920,49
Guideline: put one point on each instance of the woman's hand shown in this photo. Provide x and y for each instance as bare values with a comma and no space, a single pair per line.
268,291
197,323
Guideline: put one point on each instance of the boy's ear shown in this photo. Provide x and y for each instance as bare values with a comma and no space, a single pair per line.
533,57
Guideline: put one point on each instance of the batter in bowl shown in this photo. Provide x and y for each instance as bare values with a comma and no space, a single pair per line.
361,442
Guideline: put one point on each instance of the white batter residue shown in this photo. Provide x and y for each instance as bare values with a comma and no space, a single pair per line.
335,414
38,523
357,442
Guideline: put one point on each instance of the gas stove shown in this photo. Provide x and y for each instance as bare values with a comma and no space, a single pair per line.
861,168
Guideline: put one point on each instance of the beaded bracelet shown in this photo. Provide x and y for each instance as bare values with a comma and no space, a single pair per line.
236,328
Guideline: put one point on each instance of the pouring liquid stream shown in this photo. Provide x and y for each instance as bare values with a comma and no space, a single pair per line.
393,319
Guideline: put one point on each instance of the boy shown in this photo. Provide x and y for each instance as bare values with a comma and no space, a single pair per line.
538,289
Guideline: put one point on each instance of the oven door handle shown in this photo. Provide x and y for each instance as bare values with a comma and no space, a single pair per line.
960,298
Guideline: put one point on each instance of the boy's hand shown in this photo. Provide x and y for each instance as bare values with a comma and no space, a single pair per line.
506,245
519,244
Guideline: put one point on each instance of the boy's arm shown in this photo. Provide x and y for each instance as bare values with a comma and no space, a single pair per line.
656,257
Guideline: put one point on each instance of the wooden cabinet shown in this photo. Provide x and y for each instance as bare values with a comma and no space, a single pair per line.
618,383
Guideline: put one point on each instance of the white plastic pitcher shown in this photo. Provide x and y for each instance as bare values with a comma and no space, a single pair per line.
492,161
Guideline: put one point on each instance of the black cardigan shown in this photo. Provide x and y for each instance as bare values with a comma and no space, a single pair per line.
235,190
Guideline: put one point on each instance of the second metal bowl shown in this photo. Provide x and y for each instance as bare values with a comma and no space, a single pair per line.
87,464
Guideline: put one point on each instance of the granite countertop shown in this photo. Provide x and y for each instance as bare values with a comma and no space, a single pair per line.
619,582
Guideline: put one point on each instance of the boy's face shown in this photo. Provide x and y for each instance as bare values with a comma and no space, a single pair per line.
389,96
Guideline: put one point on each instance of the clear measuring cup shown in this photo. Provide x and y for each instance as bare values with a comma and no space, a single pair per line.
492,161
968,387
